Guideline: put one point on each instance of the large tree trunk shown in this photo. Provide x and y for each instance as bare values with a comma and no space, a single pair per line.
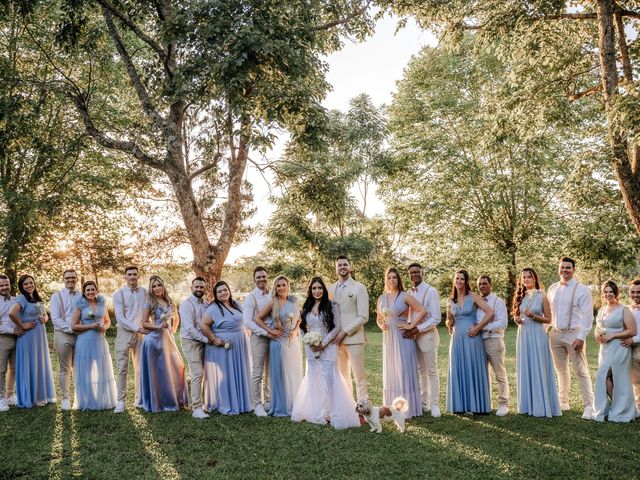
627,178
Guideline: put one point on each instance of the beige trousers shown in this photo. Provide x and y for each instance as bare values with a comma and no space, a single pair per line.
126,342
562,350
428,368
351,360
7,365
64,344
194,353
635,374
495,354
260,390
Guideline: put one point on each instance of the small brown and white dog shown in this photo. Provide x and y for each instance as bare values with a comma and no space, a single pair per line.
375,416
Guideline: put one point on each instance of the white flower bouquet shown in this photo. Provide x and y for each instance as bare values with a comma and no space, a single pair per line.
313,339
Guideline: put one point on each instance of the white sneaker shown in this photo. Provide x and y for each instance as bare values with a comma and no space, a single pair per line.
259,411
198,413
565,407
637,412
502,410
65,404
588,413
12,401
3,405
119,407
426,409
435,411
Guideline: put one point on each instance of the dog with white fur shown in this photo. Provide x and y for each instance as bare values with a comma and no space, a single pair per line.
376,416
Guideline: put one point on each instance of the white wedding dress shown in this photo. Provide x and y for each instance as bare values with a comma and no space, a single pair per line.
324,396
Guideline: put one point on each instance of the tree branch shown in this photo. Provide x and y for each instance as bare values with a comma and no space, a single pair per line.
140,89
357,12
572,97
206,168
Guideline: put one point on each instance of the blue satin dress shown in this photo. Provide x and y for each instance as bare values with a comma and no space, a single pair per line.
227,372
468,385
163,387
34,376
93,368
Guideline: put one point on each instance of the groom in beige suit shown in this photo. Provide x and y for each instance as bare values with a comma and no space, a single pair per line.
353,300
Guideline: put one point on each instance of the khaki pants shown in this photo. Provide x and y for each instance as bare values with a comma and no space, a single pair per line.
260,391
7,365
65,344
427,345
495,354
351,360
194,353
127,341
635,374
562,350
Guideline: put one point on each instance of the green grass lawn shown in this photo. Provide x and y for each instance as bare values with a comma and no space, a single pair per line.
48,443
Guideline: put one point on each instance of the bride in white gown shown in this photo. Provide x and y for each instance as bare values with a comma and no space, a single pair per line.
323,396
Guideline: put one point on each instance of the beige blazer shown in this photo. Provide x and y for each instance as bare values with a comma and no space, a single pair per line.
353,300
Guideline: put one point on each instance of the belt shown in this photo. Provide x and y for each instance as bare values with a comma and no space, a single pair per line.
565,330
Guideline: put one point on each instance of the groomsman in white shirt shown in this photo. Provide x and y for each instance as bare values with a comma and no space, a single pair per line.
62,305
493,338
571,322
256,301
427,340
8,335
634,342
353,299
128,303
193,341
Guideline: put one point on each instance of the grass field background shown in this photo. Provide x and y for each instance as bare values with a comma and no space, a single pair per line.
48,443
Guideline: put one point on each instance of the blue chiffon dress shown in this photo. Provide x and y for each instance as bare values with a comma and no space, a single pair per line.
34,376
468,385
227,371
93,368
537,392
163,387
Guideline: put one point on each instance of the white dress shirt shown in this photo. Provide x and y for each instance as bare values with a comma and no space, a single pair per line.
62,305
6,324
561,307
428,297
495,328
191,311
128,305
254,302
636,315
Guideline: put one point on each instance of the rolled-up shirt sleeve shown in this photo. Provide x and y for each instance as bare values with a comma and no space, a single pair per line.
586,313
57,315
433,309
188,328
118,308
500,319
249,310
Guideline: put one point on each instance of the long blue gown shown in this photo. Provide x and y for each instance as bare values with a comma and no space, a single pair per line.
227,372
399,357
93,368
34,376
163,387
537,392
285,362
613,356
468,385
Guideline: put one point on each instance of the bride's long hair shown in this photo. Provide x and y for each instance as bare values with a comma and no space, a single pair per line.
325,309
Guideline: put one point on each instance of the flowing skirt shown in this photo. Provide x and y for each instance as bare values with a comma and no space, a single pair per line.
227,374
93,373
468,385
400,370
537,392
324,396
621,406
285,370
163,387
34,376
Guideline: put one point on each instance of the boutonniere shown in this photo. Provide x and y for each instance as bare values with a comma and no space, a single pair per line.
350,294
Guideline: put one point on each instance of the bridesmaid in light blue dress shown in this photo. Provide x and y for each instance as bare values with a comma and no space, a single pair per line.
163,387
227,368
399,354
281,319
34,376
537,392
92,365
468,384
613,396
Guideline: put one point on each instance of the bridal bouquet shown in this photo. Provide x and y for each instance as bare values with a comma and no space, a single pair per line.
313,339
